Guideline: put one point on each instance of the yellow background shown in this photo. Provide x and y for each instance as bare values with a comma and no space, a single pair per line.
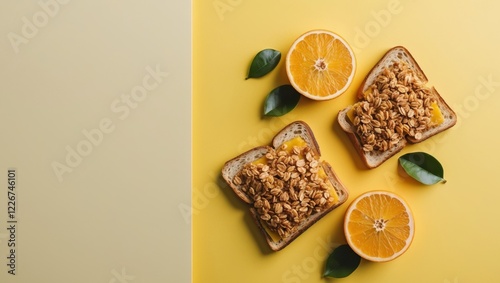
455,43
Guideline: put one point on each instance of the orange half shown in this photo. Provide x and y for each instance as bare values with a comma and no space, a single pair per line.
379,226
320,65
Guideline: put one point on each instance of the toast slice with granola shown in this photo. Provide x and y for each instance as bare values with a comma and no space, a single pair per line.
395,106
287,186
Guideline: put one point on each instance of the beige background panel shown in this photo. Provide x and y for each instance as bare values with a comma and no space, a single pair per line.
96,100
456,46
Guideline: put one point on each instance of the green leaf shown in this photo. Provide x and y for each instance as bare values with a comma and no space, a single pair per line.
422,167
264,62
281,100
341,262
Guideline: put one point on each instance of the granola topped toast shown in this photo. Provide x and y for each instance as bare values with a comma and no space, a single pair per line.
286,185
395,106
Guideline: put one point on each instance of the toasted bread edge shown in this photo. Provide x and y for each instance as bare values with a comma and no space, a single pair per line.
288,132
450,115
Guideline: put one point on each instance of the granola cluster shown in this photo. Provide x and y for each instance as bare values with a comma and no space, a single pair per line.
287,188
397,104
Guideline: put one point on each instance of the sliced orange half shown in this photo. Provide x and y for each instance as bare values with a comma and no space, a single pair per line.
379,226
320,65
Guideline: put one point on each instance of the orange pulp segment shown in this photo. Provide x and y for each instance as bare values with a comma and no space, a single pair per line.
379,226
320,65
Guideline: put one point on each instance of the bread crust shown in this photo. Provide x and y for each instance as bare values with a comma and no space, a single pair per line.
449,121
294,129
397,52
373,160
233,166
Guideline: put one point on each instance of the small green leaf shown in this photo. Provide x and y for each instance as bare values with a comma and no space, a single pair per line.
422,167
281,100
341,262
264,62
